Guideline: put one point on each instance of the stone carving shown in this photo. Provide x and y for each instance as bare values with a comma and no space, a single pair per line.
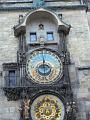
25,109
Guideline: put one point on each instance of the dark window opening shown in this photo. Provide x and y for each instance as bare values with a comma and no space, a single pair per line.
33,37
50,36
12,78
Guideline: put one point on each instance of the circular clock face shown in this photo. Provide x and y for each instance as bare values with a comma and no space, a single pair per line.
47,107
43,66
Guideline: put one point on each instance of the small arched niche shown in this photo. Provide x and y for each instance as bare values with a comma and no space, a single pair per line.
42,24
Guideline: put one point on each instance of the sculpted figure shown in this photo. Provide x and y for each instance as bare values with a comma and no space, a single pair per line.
26,106
25,109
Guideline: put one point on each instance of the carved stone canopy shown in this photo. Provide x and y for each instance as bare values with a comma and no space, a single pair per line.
21,27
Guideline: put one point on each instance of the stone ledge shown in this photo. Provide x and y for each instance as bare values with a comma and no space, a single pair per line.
69,7
84,68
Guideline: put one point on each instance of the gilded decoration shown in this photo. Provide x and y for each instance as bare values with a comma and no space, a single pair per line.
47,107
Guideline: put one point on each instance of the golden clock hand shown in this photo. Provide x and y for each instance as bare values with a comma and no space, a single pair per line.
43,58
43,64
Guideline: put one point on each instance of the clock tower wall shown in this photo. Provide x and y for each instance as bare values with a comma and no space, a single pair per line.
78,42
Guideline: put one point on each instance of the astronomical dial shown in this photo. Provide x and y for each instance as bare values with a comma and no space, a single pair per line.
44,66
47,107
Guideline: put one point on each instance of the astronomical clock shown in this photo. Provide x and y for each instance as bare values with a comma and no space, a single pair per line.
43,85
44,66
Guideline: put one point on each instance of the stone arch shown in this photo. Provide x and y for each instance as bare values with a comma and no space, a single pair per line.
41,12
62,26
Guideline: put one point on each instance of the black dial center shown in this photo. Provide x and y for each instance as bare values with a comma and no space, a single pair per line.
44,69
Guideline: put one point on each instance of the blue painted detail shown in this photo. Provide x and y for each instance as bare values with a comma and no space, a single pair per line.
38,3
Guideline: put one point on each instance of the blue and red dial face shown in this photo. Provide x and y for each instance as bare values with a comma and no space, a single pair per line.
43,66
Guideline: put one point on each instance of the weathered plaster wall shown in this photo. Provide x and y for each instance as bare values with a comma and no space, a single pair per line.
78,42
8,53
88,16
